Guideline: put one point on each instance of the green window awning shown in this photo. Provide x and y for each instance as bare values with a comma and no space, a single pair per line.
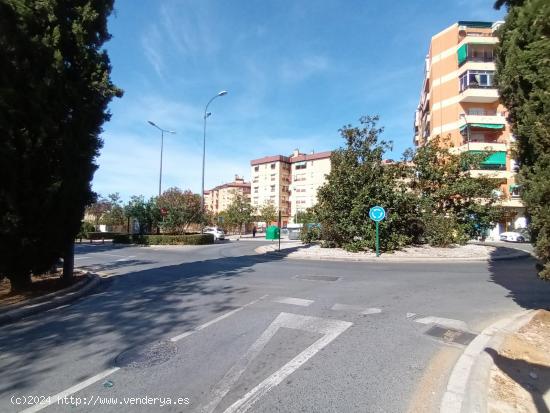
462,53
495,158
487,125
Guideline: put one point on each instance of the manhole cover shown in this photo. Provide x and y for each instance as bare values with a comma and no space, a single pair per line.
329,278
148,355
450,335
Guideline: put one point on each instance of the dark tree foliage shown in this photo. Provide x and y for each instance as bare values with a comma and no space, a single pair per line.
523,79
54,90
359,180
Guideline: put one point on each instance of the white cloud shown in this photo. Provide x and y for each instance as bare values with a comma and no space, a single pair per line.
151,42
301,69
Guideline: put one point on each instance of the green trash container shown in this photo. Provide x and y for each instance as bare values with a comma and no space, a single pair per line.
272,232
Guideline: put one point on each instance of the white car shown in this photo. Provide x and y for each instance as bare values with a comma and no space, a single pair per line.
218,233
515,236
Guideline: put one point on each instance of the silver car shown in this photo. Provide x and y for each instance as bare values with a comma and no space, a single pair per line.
217,232
519,235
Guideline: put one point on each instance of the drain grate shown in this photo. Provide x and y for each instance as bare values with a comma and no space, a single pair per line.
329,278
450,335
147,356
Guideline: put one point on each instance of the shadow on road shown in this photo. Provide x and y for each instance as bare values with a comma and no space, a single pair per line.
521,280
129,310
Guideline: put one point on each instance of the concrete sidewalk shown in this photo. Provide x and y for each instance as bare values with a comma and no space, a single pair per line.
504,369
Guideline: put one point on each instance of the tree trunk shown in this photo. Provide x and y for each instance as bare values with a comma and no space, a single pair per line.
68,264
20,282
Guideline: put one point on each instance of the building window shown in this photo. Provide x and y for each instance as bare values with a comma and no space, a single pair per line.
476,79
300,165
272,177
272,166
256,168
272,188
255,189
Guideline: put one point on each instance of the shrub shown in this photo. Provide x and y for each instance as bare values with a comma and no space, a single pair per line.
85,229
190,239
308,234
444,231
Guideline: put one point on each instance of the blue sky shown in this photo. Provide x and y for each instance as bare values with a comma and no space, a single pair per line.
296,72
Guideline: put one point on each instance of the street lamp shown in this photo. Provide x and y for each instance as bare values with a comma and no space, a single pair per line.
206,115
161,148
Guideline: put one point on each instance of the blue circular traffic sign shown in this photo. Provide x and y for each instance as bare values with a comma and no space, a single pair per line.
377,213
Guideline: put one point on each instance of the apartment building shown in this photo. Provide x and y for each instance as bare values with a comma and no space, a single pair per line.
219,198
460,103
288,182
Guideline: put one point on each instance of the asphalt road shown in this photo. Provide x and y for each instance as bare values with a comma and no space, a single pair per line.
220,329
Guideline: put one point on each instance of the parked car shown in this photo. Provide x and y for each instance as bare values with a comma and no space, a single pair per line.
217,232
519,235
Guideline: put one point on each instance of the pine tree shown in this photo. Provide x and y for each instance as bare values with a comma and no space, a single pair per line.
54,90
523,79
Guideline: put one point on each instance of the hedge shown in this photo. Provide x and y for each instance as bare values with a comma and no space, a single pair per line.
193,239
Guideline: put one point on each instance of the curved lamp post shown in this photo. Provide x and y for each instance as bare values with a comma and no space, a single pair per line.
161,148
206,115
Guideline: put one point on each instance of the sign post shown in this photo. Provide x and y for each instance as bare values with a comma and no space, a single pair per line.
279,225
377,214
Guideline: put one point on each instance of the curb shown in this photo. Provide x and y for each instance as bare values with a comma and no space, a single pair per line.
47,302
522,254
469,380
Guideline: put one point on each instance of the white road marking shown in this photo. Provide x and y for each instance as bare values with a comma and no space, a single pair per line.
82,258
356,308
445,322
215,320
330,330
82,385
294,301
71,390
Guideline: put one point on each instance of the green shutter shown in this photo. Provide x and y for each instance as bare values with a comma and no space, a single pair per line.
496,158
487,125
462,53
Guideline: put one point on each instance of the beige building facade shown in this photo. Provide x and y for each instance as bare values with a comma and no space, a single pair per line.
219,198
290,183
460,103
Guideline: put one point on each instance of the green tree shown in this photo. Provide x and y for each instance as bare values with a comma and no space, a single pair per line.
239,212
306,217
97,209
114,215
146,213
453,205
54,90
523,79
359,180
179,209
268,213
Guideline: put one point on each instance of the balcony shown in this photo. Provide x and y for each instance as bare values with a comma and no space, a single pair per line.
479,94
488,173
480,146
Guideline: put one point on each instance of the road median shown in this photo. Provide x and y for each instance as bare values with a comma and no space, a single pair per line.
15,312
469,252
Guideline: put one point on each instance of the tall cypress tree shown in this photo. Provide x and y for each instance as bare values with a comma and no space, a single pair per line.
54,90
523,78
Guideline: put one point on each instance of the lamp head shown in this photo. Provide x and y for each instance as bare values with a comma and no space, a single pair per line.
222,93
152,123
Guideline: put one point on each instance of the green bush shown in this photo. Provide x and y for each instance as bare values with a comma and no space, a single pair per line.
310,234
444,231
357,246
101,235
191,239
85,229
